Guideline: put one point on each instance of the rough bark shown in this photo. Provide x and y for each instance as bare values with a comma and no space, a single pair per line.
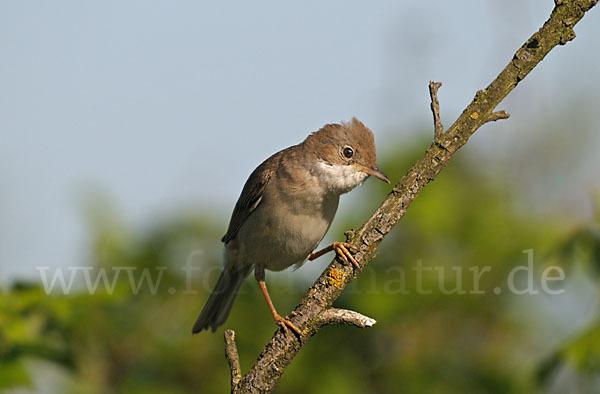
315,308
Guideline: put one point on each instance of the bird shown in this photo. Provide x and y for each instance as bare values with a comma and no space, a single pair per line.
285,209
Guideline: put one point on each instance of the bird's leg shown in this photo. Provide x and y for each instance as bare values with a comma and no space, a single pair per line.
259,275
341,248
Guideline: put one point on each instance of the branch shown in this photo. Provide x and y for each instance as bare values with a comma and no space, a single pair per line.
438,127
308,315
494,116
345,316
233,358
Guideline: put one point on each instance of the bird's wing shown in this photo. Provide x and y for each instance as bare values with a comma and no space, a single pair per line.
251,196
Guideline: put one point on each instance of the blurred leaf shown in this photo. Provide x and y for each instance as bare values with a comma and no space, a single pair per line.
13,374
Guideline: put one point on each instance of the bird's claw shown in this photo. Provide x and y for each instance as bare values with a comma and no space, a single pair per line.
284,323
341,248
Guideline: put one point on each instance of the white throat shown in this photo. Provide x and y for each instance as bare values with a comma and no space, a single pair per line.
339,179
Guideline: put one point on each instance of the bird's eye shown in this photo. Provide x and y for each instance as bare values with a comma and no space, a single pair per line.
348,152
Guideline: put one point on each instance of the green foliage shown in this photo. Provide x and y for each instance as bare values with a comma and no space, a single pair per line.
32,324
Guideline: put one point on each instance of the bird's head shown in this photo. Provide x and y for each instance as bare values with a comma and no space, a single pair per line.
345,155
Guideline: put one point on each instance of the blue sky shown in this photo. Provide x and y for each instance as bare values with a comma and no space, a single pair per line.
165,106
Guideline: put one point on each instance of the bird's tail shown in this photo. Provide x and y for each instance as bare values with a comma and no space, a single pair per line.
221,300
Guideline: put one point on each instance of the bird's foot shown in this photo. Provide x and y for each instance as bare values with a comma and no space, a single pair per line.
284,323
341,248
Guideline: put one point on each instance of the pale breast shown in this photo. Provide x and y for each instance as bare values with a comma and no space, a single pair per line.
284,229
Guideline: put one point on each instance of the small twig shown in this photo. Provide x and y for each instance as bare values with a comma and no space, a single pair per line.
233,358
435,108
345,316
494,116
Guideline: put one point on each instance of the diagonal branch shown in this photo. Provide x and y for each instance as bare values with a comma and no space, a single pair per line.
282,347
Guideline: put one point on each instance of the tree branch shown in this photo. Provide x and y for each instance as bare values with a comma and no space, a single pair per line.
494,116
438,127
345,316
308,316
233,358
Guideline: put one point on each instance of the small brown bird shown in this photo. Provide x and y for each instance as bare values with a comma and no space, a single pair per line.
285,209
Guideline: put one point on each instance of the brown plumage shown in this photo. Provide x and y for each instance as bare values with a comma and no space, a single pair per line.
286,207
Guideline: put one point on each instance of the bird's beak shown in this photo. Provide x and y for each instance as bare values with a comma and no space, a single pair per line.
376,172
